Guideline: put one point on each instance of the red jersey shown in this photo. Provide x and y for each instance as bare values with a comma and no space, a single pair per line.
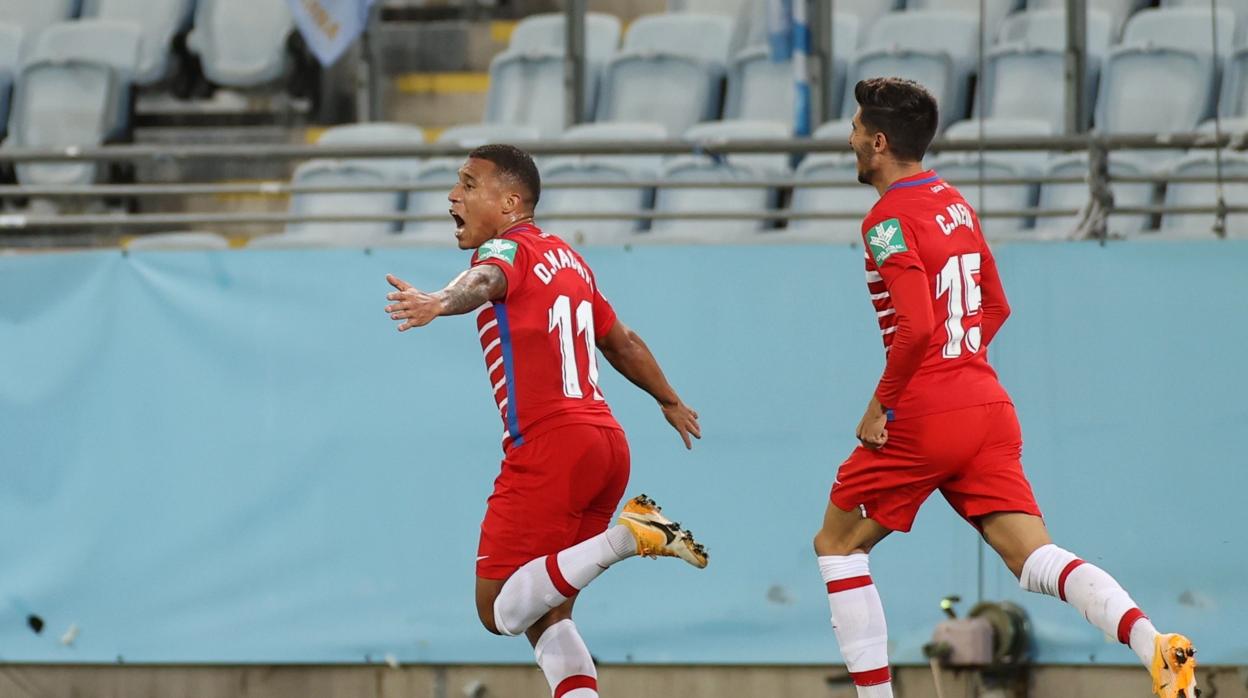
539,340
923,223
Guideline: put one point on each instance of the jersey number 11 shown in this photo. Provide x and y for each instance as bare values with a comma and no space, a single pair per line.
561,320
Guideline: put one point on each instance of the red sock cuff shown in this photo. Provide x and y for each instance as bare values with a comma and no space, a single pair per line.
557,578
1061,579
574,682
837,585
1124,625
874,677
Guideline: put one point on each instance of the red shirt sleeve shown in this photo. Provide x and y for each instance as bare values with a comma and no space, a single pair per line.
913,304
994,306
506,254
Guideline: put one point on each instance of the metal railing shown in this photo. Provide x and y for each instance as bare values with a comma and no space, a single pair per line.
1091,222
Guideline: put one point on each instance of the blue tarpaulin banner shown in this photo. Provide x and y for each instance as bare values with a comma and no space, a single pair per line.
234,457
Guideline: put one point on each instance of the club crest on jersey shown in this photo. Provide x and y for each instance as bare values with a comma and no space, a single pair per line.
886,239
497,249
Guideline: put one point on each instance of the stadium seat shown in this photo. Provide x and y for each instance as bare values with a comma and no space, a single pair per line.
1119,10
345,172
963,171
177,241
855,198
669,72
34,15
1205,194
867,11
996,10
1076,196
160,21
600,168
73,90
242,43
1155,53
934,48
1025,71
1234,95
730,168
526,80
1183,28
379,133
10,64
473,135
762,89
1033,162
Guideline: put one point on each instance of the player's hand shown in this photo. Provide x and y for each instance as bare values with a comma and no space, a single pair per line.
872,431
684,420
415,307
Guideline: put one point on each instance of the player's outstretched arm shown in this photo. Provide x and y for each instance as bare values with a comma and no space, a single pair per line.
469,291
632,358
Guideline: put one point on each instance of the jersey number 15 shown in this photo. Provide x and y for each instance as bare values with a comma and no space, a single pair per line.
957,279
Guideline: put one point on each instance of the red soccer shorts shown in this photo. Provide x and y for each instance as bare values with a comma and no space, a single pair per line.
555,490
972,455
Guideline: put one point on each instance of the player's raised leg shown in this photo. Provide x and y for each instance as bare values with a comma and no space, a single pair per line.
548,582
1044,568
842,545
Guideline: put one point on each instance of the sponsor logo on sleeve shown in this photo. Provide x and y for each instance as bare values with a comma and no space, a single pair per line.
885,240
498,249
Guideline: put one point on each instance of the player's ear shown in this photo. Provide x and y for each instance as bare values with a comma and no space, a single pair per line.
512,202
879,142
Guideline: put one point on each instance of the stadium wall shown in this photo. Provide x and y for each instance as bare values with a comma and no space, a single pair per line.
232,457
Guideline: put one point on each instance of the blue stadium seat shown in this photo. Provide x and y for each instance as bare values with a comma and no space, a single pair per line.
1033,162
1234,98
669,72
526,80
1183,28
934,48
160,21
1119,10
345,172
600,168
856,198
996,10
1205,194
760,88
1160,79
473,135
867,11
35,15
10,64
734,167
73,90
1055,197
242,43
1025,72
379,133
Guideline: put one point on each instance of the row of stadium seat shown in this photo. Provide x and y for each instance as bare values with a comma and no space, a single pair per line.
1161,76
71,83
439,173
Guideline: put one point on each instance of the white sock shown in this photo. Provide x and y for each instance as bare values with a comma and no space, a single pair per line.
547,582
858,621
565,660
1102,601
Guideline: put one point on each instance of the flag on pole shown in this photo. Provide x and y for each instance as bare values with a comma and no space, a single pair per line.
330,26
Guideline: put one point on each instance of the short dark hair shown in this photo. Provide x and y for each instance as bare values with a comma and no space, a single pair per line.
514,164
903,110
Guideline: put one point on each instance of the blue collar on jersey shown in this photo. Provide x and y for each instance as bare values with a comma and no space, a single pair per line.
913,182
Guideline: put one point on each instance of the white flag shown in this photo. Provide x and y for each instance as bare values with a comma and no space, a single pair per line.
330,26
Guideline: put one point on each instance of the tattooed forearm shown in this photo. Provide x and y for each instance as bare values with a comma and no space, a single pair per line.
472,289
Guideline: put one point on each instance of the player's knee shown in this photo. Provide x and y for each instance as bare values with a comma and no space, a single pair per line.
487,619
827,543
